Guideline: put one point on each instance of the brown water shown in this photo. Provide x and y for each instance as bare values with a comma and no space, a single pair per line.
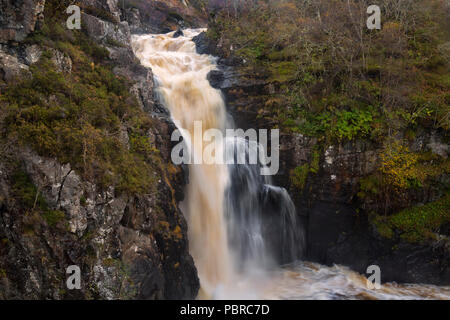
181,76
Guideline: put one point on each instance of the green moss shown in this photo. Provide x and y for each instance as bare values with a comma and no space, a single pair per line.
383,228
79,117
416,224
53,217
370,186
30,199
25,191
83,200
298,177
283,71
315,161
110,262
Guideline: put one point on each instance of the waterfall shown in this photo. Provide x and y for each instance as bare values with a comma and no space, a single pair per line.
241,227
230,231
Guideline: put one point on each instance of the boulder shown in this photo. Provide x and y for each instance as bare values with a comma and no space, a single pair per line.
178,33
62,61
105,31
10,68
32,54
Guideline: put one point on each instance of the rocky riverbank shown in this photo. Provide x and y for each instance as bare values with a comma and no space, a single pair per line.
54,210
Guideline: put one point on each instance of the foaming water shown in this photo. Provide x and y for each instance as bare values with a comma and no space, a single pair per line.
240,226
181,76
310,281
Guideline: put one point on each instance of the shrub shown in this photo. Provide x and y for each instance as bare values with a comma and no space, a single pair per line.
80,118
416,224
353,83
31,200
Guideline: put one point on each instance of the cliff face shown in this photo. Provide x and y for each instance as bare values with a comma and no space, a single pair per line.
340,188
53,213
153,16
19,18
126,247
335,219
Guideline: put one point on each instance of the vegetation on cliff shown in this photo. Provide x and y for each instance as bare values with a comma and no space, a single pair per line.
335,80
72,131
86,117
417,224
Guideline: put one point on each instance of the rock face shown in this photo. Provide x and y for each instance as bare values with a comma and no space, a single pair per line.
11,68
19,17
154,16
127,247
62,61
337,231
340,233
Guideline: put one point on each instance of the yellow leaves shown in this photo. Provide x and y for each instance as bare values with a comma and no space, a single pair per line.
391,25
399,166
177,233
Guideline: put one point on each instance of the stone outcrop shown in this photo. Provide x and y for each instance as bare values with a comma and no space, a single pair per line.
19,18
155,16
10,68
61,60
105,31
127,246
32,54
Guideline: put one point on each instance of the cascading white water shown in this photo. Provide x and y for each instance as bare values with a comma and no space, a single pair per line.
181,76
224,204
239,225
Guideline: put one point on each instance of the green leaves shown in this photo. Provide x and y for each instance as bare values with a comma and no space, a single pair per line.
417,224
340,124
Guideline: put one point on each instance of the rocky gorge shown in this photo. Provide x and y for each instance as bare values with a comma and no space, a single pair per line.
59,209
338,231
327,178
128,246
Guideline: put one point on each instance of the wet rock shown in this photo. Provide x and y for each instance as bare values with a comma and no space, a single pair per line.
178,33
225,78
143,88
204,45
